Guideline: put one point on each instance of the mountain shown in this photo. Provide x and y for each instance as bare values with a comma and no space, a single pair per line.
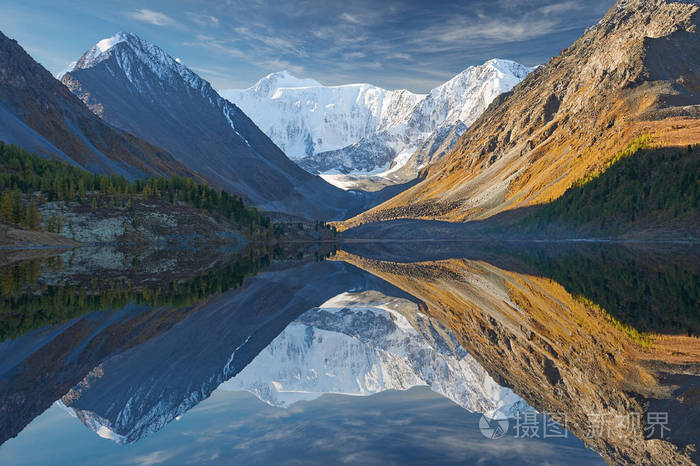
40,114
360,128
433,148
306,118
636,72
366,343
135,86
137,391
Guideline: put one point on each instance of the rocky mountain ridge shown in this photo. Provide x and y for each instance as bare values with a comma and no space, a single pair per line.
635,72
40,114
136,86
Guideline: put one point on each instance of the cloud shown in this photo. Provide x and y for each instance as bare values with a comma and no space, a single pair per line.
561,8
350,18
150,459
392,44
267,37
211,72
399,56
275,65
353,55
223,46
203,20
155,18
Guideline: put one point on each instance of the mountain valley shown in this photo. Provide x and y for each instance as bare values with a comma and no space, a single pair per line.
502,267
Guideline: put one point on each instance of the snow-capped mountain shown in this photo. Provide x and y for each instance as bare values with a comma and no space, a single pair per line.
39,114
361,344
360,128
139,389
297,322
136,86
304,117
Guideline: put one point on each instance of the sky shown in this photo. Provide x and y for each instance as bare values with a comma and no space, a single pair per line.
414,427
413,45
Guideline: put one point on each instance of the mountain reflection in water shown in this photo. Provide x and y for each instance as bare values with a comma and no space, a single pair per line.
500,330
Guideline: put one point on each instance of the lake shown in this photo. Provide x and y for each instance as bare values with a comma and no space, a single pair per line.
358,352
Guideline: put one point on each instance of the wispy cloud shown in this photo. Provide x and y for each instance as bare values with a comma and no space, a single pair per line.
209,72
394,43
274,42
222,46
350,18
155,18
156,457
203,20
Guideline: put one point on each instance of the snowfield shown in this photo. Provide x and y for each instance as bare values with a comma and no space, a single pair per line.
361,128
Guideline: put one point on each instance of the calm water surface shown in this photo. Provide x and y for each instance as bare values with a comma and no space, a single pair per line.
449,353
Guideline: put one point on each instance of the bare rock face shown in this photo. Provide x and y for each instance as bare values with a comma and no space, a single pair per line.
435,147
40,114
637,71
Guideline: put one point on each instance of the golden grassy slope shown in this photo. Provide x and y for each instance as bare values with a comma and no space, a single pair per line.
635,72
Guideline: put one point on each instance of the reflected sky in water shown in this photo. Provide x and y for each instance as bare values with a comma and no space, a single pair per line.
394,427
260,359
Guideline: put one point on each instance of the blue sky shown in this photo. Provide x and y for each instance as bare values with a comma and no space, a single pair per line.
395,44
410,427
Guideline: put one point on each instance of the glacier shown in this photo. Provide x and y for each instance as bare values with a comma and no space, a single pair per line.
362,129
303,117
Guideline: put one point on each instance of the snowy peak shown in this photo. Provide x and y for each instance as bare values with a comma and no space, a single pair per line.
508,67
129,51
503,73
304,117
464,97
100,51
268,85
137,87
361,128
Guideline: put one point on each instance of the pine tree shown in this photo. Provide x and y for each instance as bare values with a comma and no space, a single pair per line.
32,217
6,207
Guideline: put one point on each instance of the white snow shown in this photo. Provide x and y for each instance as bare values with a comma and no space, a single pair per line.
67,69
139,55
144,53
106,44
339,180
359,348
305,118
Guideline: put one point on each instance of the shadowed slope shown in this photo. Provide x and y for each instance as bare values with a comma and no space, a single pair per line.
136,86
40,114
